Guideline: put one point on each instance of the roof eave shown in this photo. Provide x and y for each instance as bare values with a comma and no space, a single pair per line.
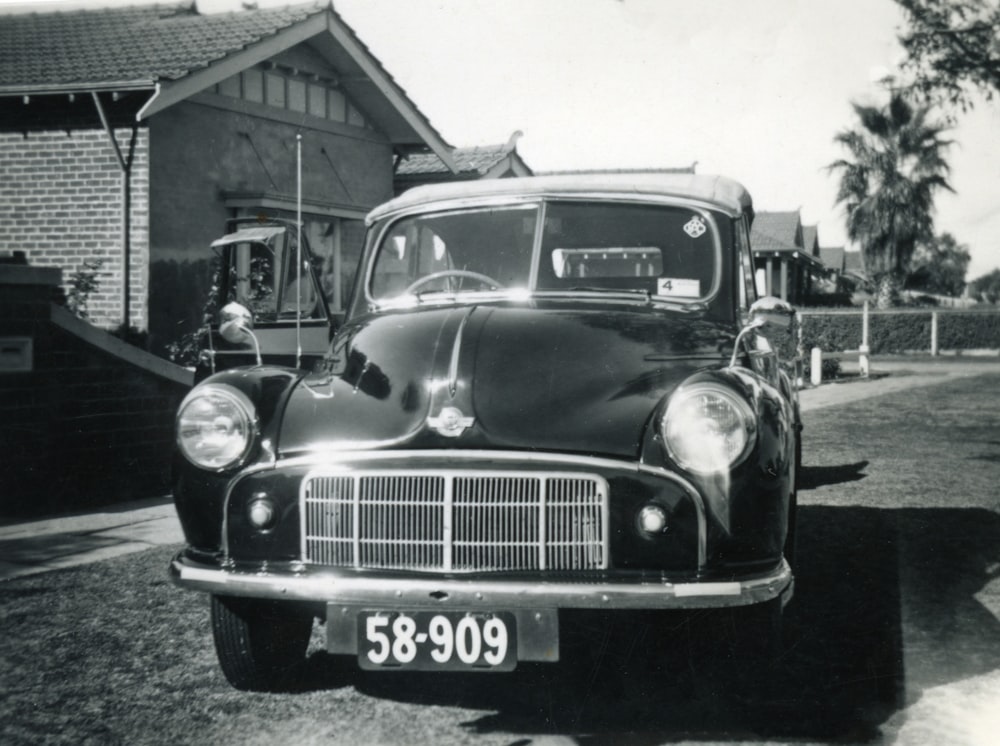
58,89
346,37
323,20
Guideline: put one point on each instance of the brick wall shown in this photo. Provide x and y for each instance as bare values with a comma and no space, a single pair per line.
92,422
60,203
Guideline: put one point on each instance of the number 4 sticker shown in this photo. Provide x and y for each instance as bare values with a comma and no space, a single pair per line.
675,287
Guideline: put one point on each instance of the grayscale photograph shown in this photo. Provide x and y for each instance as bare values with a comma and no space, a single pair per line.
502,372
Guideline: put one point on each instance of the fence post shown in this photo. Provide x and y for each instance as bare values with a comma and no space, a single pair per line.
863,349
934,333
816,366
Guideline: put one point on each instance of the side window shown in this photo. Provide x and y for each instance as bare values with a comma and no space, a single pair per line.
298,293
747,286
252,278
264,278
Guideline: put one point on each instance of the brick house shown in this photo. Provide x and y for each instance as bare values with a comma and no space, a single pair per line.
130,135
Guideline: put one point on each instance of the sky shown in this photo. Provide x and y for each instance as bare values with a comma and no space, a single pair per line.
753,90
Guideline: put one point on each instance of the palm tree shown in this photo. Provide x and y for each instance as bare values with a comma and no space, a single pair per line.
896,165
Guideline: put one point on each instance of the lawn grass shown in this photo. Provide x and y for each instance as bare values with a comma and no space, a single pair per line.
899,543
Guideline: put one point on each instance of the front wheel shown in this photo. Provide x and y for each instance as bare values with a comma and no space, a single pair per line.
260,644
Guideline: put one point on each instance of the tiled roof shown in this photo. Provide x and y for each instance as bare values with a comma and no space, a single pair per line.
129,44
477,160
776,231
854,262
471,162
810,239
833,258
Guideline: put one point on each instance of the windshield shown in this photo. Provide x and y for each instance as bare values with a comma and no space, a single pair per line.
262,275
665,251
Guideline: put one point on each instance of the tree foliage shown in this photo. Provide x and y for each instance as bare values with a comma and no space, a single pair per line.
987,287
952,48
939,266
895,165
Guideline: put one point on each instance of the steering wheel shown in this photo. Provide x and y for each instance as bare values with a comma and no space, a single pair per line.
460,273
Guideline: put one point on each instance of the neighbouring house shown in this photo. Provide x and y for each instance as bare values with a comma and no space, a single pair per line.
786,255
854,267
129,135
845,270
482,162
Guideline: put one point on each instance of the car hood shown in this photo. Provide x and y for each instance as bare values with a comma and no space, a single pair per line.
577,379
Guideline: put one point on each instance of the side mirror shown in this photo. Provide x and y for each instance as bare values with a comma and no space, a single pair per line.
770,313
236,326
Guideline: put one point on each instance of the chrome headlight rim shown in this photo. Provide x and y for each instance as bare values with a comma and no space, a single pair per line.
248,417
733,398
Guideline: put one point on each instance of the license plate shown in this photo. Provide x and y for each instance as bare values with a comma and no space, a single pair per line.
437,641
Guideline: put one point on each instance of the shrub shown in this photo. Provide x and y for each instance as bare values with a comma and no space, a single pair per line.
831,332
895,332
968,331
82,283
898,332
830,368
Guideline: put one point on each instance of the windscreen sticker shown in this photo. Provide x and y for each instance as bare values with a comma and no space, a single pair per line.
675,287
695,227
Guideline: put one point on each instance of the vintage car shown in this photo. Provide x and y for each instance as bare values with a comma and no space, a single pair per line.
548,394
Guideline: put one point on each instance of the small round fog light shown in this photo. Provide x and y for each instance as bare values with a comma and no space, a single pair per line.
653,519
262,512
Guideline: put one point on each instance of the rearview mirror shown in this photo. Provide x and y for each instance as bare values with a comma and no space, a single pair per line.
236,326
235,323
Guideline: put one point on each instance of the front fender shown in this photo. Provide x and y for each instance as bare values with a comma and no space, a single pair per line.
747,506
199,494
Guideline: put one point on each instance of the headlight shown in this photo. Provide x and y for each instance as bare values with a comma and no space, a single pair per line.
707,428
215,426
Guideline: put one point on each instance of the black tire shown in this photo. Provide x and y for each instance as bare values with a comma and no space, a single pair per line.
260,644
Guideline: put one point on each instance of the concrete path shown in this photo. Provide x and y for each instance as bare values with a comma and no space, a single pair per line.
32,547
38,546
889,375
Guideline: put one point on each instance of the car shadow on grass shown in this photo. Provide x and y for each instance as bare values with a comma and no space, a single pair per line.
658,677
811,477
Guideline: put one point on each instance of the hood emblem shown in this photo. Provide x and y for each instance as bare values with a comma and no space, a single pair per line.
450,422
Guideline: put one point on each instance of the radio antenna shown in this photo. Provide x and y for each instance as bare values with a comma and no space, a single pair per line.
298,251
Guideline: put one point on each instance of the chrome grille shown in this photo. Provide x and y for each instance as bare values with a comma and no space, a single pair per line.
465,522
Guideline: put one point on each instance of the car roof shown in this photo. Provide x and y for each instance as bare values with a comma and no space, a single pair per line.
718,192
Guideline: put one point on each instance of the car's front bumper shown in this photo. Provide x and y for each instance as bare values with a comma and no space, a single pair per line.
534,604
330,586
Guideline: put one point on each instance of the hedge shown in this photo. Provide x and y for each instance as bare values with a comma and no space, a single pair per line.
900,331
